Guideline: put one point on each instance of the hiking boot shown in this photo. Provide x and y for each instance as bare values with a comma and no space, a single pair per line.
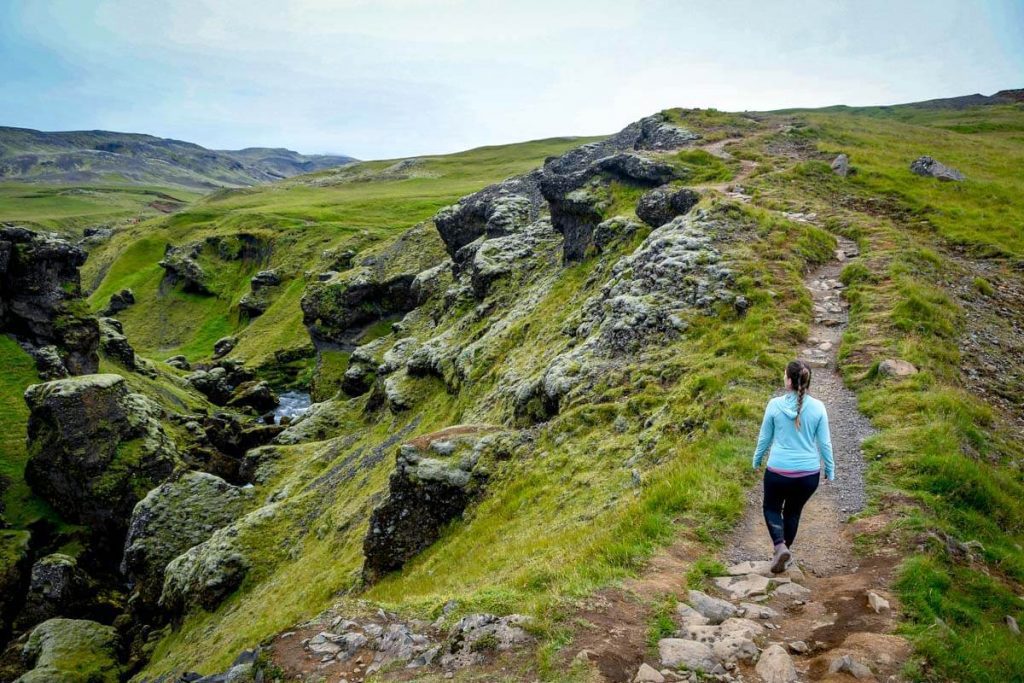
781,559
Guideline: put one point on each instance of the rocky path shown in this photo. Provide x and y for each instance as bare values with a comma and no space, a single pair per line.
830,617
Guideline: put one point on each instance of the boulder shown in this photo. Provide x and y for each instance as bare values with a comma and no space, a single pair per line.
470,639
648,674
689,655
434,480
847,664
743,587
218,381
715,610
841,165
95,449
930,168
224,346
256,394
57,587
41,301
179,362
114,344
119,301
172,518
71,650
893,367
775,665
660,205
204,574
263,279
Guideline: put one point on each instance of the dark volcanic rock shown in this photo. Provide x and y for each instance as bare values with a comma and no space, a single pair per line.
218,381
95,449
119,301
930,168
224,346
332,309
181,266
114,344
495,211
435,478
41,304
256,394
662,204
57,587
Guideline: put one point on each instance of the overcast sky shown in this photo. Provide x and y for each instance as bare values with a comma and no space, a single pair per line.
389,78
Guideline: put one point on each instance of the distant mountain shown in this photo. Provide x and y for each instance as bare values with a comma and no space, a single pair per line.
106,157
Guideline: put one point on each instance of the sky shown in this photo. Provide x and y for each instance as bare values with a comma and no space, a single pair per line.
394,78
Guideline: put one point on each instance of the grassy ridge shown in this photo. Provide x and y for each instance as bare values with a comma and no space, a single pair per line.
303,219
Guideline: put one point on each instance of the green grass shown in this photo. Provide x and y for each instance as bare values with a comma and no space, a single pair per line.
68,209
21,506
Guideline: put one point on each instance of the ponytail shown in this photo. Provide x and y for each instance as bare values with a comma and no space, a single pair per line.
800,377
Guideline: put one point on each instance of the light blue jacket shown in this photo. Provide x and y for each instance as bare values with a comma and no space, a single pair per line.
795,449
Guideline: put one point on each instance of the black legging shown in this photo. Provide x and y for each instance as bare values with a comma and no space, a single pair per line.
784,499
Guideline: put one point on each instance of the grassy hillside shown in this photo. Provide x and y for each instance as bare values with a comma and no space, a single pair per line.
307,223
70,209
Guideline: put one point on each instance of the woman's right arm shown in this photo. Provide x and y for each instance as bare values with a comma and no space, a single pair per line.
764,439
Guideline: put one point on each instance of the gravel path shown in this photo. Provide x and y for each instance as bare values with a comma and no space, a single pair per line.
820,546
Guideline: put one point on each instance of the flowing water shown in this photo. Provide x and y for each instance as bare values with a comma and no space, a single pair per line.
292,404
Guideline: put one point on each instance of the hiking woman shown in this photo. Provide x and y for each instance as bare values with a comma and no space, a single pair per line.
796,427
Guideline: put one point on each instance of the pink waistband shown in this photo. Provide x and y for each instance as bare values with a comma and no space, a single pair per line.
793,473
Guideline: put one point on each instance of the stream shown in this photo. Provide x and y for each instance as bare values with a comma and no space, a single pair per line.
292,404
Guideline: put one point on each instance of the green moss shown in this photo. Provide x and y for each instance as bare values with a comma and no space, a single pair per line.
699,167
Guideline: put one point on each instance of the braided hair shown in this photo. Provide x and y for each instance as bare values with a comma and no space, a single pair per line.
799,374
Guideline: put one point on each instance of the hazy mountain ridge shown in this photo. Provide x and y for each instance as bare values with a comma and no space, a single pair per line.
105,156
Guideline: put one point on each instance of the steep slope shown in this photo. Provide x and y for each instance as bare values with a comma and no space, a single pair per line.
97,157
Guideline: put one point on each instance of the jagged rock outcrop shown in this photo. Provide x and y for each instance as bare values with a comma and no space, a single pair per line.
182,263
222,381
172,518
336,311
497,257
181,267
119,301
262,286
677,271
662,204
930,168
114,344
497,210
220,442
256,394
95,450
60,650
579,198
435,478
41,302
57,587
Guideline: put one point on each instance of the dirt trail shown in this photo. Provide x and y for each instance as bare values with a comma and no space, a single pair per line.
819,613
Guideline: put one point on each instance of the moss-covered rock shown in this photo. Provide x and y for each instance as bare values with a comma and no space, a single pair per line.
205,574
172,518
435,478
95,450
71,651
114,344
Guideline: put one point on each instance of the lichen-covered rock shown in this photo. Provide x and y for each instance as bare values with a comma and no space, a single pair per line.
930,168
675,272
612,231
119,301
181,266
263,279
220,442
71,651
179,362
57,587
476,636
841,165
662,204
204,574
435,478
41,300
114,344
497,210
499,256
95,449
171,519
